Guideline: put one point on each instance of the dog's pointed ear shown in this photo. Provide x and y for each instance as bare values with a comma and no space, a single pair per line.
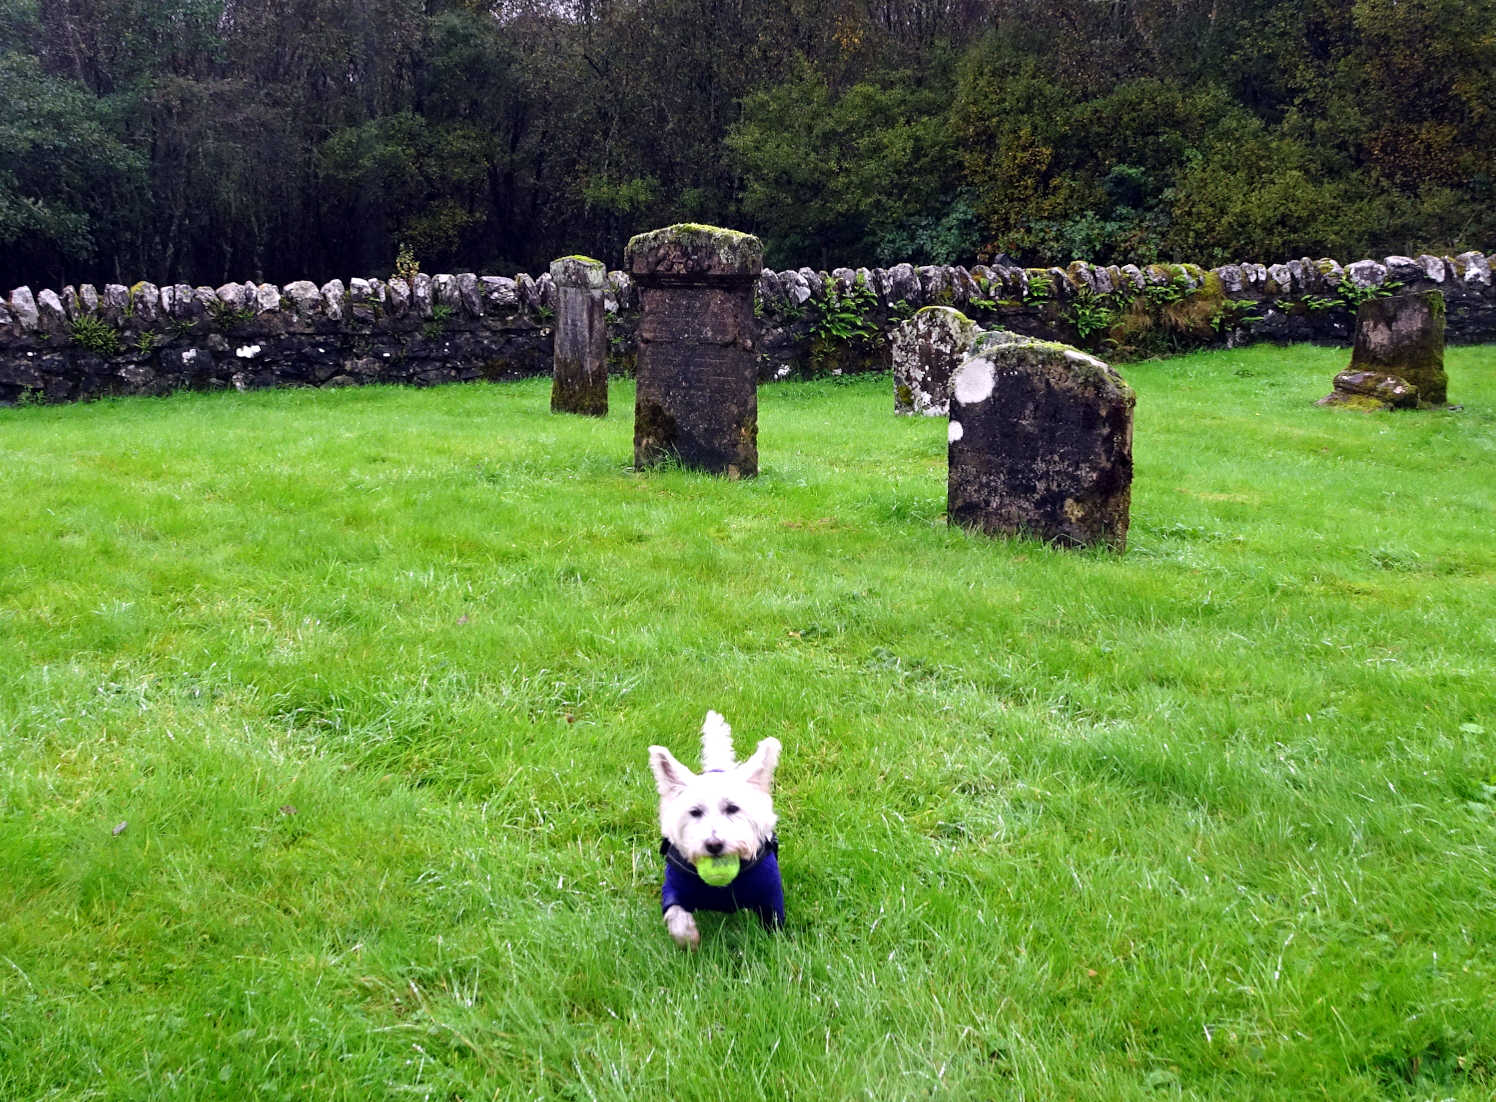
759,769
670,775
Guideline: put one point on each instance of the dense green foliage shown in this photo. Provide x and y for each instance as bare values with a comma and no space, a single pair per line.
202,140
323,730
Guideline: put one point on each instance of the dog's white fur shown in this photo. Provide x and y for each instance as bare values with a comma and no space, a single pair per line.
728,808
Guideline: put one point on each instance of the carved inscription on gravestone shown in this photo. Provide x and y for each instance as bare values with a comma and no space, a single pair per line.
697,377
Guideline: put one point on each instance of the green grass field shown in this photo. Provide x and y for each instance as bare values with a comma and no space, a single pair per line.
324,714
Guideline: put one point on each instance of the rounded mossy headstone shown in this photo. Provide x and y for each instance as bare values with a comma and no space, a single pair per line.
579,381
1040,444
925,350
697,375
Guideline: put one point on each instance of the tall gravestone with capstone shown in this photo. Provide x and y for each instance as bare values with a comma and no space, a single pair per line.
579,381
1040,444
697,376
1398,358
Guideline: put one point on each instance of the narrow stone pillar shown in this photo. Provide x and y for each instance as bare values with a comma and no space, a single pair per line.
697,378
1040,444
580,378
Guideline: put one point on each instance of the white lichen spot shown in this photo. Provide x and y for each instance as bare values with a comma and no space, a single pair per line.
1081,358
973,381
954,432
247,351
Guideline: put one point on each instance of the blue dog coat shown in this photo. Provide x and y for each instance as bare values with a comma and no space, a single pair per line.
756,888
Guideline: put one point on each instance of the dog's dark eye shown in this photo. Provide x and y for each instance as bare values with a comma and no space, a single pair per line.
730,809
697,812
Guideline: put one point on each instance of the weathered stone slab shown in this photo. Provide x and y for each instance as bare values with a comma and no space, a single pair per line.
697,377
903,284
621,287
1366,273
1473,270
545,292
267,298
1403,335
579,379
333,298
182,303
144,304
1371,390
925,350
815,280
399,292
361,299
499,292
1040,444
422,296
1402,268
767,291
529,291
304,297
1435,269
936,282
796,290
1082,276
52,318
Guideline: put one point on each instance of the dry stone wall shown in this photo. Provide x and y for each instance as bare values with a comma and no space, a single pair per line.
85,342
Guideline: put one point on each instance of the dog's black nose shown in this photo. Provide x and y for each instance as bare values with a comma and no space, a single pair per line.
714,848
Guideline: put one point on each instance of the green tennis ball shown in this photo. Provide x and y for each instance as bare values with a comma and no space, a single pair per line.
717,871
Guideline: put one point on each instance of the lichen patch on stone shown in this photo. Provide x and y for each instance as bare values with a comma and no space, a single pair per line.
1076,356
973,381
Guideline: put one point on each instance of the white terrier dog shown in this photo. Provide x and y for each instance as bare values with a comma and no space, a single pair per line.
718,833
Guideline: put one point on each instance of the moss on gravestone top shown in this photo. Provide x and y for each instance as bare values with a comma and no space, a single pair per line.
691,249
579,271
1061,361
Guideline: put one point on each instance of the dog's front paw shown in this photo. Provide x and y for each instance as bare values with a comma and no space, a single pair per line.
682,928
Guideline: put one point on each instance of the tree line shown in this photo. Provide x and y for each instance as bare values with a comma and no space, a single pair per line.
201,141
